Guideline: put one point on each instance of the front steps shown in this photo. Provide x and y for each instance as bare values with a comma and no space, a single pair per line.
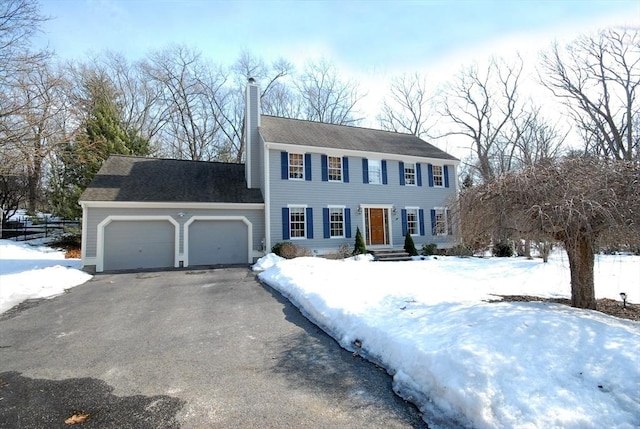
384,255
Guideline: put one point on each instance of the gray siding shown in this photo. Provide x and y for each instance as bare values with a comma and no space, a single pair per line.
97,215
318,194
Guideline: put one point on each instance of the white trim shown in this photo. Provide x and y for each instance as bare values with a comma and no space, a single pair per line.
358,153
297,206
171,205
267,199
330,206
83,242
217,218
106,221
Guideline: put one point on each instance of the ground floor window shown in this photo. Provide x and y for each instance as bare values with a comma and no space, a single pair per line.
297,222
412,221
336,222
440,222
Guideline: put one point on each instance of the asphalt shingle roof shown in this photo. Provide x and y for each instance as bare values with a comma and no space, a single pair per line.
316,134
127,178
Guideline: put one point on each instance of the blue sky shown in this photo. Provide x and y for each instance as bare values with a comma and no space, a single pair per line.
359,36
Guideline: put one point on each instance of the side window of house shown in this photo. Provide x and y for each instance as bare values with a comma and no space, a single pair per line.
438,176
296,166
440,221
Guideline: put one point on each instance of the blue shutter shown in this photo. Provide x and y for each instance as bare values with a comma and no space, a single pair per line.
324,164
433,222
285,223
403,213
347,223
419,175
284,164
345,169
325,223
430,169
421,220
309,216
384,172
445,172
307,166
365,170
401,164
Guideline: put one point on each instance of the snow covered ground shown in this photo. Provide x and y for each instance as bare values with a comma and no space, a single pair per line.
35,271
467,362
464,361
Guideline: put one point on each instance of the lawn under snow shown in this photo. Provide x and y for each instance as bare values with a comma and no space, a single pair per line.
467,362
35,271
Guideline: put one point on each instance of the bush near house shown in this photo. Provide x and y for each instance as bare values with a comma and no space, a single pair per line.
409,245
359,248
289,250
429,249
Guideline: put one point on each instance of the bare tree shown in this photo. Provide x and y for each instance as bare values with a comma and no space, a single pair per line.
191,90
325,97
408,107
480,105
598,77
581,202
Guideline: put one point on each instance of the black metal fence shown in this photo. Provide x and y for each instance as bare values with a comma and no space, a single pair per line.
22,230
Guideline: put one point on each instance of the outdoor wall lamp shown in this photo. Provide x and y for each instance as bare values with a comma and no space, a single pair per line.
359,210
624,299
181,214
394,210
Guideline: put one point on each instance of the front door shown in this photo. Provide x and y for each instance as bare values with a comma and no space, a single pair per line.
377,221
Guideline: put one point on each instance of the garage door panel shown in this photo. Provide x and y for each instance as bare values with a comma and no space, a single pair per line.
139,244
213,242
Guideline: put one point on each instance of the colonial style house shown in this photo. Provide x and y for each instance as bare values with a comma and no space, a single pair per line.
305,182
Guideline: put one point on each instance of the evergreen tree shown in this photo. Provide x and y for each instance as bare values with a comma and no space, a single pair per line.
409,245
360,248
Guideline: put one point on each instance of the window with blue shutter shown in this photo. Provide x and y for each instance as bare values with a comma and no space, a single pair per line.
285,223
365,170
284,165
401,171
347,223
419,175
430,171
307,166
309,222
384,172
446,176
421,220
433,222
326,227
345,169
324,164
403,213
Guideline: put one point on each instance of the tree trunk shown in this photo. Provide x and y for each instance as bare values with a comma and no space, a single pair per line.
581,258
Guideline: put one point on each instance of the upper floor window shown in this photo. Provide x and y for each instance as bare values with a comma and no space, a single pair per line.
409,174
438,175
296,166
375,171
335,168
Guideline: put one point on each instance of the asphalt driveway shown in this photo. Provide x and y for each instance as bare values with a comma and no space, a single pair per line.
189,349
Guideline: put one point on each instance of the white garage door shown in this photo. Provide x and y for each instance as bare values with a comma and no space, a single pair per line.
139,244
213,242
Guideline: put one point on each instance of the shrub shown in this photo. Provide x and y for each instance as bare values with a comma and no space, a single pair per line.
409,245
429,249
502,249
289,250
461,250
344,251
359,248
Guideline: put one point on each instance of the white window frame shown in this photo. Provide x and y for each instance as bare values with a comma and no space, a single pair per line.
438,178
374,167
302,211
336,209
416,222
296,169
334,171
441,227
410,177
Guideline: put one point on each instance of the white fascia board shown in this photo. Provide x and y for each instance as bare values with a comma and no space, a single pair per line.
172,205
359,153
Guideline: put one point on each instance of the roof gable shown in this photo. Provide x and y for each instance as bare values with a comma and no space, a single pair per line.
317,134
127,178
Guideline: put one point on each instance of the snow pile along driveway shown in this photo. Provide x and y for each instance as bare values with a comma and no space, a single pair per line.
466,362
28,272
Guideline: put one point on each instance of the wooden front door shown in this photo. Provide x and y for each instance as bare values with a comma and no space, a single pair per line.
377,227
